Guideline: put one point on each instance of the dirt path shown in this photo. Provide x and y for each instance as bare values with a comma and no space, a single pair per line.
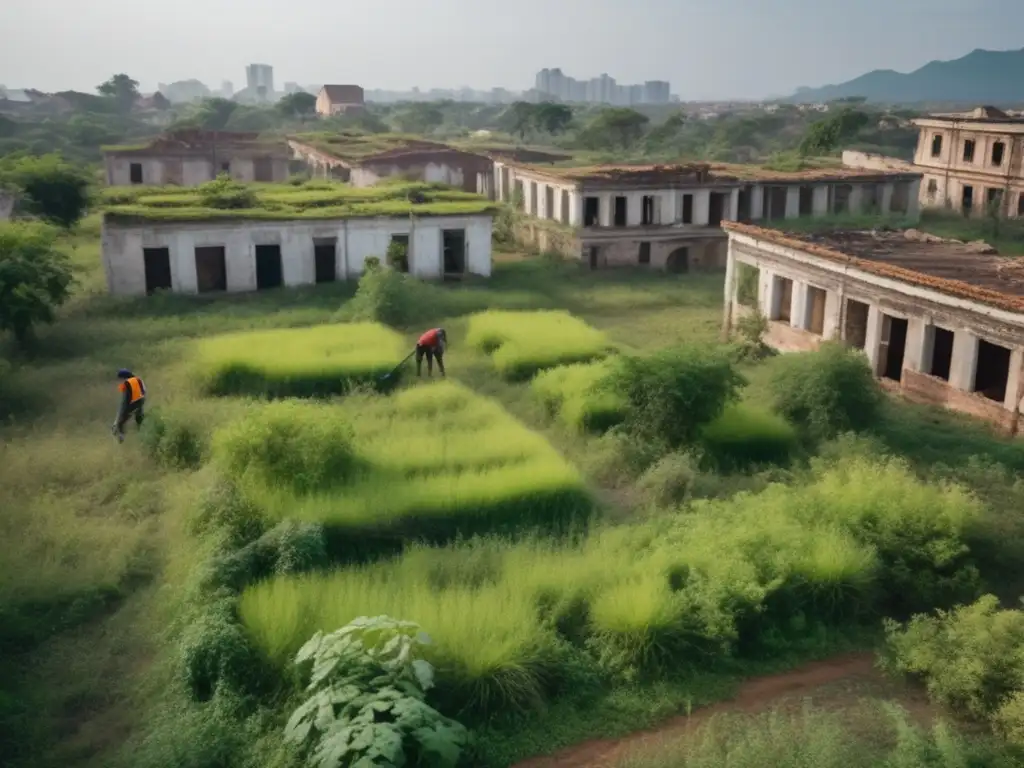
755,695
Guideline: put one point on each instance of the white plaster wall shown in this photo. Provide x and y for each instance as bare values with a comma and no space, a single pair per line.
196,171
119,171
356,239
820,200
792,202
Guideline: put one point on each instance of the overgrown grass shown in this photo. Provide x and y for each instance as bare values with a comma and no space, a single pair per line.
574,393
522,343
432,461
746,435
317,361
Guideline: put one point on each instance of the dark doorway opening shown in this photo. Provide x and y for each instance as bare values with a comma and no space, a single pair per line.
620,212
806,201
816,310
135,173
893,347
1020,204
942,353
993,370
269,269
716,209
687,209
594,254
784,298
841,198
453,243
565,207
855,330
591,211
398,253
325,256
519,196
967,199
743,209
647,210
644,255
900,201
533,198
775,203
678,261
263,169
158,269
549,202
211,269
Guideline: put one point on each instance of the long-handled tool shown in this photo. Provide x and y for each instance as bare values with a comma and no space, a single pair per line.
398,367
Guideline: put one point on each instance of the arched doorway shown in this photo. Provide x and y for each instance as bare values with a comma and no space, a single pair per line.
678,261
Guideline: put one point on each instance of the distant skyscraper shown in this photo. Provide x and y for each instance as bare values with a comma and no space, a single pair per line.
227,89
554,84
260,78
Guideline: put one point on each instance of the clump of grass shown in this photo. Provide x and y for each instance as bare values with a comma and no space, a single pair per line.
578,396
430,461
745,435
304,362
522,343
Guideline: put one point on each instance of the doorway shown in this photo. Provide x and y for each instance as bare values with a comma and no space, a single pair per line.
678,261
158,269
594,254
993,372
325,257
942,353
591,209
893,347
743,210
806,201
211,269
855,329
815,310
453,243
269,270
263,169
716,209
620,212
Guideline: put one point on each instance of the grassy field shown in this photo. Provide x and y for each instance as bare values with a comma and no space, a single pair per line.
100,556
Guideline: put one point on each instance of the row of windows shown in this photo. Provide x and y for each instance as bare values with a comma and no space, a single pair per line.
263,170
211,262
993,197
995,157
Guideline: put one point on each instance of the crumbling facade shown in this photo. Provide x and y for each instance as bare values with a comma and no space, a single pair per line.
971,162
938,320
670,217
192,157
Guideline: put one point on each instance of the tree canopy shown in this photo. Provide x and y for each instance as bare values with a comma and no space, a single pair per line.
35,277
48,187
297,104
122,89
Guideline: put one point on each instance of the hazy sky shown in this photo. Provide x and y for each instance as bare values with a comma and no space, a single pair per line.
705,48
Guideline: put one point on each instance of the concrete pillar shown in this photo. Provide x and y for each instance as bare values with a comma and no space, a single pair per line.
833,312
914,356
820,200
792,202
856,198
914,200
772,295
885,204
873,337
927,345
765,281
730,291
575,209
701,207
670,207
798,306
606,206
1013,382
965,360
634,208
756,202
733,214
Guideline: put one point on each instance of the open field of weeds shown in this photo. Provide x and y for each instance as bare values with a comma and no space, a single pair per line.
586,562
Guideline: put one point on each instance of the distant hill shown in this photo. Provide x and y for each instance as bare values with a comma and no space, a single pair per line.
980,77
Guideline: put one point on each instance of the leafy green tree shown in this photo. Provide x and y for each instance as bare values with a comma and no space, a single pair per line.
161,102
552,118
825,136
122,89
48,187
664,133
419,118
35,277
214,114
518,118
298,104
614,127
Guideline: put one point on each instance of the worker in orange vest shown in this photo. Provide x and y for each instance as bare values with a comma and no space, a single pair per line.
133,400
431,345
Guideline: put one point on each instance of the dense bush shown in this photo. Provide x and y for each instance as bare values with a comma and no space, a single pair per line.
575,394
744,435
174,439
522,343
224,510
48,187
672,395
828,391
671,480
297,362
384,296
216,652
288,548
35,277
971,658
222,192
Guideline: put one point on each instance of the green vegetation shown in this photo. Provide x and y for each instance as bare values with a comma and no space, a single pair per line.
578,394
35,277
522,343
222,199
429,462
324,360
47,187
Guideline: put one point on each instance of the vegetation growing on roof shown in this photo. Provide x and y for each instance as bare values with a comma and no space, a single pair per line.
314,200
356,145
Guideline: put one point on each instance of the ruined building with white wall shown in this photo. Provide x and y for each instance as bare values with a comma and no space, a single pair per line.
971,162
670,216
938,320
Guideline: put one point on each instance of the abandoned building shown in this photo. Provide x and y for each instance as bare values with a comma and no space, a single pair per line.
192,157
972,162
669,217
938,320
364,159
339,99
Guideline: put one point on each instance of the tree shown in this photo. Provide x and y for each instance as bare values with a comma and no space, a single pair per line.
213,114
35,277
297,104
824,136
122,89
667,131
419,118
48,187
161,102
618,127
551,118
519,118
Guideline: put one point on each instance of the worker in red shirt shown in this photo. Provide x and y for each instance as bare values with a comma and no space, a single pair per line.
432,345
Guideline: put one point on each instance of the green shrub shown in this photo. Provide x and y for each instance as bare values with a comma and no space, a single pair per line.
384,296
522,343
287,548
224,193
1008,720
224,509
215,652
828,391
671,395
297,362
174,439
575,394
432,461
744,435
971,658
671,480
